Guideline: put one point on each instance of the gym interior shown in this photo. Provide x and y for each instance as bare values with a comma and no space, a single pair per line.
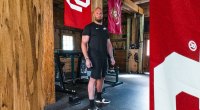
126,84
43,68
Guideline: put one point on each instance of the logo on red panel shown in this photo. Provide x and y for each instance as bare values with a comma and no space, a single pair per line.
192,45
79,5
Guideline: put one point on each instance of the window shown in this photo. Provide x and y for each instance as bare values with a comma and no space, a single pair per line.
148,48
67,42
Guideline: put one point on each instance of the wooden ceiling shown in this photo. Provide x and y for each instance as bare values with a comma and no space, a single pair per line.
140,1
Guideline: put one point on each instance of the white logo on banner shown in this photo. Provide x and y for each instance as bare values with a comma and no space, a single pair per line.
192,45
80,3
174,75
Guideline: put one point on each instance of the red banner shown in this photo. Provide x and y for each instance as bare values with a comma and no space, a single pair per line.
175,54
114,16
77,13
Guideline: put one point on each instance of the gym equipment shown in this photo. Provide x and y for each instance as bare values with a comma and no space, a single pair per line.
112,73
73,99
84,73
115,73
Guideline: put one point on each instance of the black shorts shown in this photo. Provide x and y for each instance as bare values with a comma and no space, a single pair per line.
99,69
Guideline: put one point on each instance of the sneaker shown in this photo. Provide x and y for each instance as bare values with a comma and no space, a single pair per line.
94,108
104,101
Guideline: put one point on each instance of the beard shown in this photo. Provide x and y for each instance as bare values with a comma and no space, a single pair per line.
98,20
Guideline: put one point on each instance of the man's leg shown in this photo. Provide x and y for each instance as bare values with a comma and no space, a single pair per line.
99,86
91,91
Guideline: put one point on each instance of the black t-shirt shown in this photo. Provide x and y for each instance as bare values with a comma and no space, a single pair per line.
97,45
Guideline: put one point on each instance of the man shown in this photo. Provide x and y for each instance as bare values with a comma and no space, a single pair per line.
96,46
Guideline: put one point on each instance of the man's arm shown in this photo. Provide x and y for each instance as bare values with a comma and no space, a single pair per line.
110,51
84,47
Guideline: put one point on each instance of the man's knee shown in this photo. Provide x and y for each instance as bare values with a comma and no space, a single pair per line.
92,81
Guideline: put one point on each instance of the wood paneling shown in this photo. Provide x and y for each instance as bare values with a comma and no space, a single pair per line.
133,30
133,66
146,59
61,30
26,54
121,60
67,64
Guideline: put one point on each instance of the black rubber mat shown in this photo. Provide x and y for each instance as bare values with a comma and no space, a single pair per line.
133,94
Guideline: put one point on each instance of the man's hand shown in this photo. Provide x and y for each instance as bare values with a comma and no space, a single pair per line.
88,63
112,61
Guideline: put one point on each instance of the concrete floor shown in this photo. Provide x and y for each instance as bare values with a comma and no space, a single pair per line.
133,94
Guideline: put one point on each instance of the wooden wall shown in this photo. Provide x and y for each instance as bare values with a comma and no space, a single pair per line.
26,54
133,65
60,30
121,60
58,33
146,60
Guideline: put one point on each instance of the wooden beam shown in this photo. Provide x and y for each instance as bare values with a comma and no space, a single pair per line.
133,31
128,41
141,2
133,7
26,54
140,53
